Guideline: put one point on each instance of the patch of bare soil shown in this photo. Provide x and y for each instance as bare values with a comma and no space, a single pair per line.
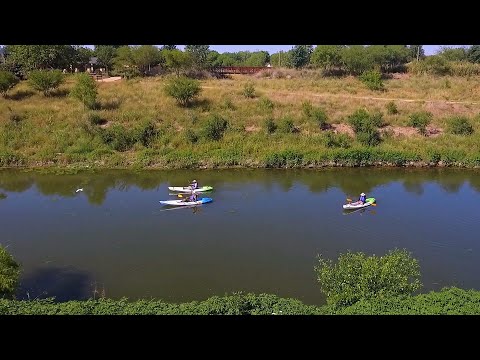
433,131
399,131
252,128
110,79
342,128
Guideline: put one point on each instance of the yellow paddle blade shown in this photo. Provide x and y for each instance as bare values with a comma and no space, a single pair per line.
374,204
180,195
349,200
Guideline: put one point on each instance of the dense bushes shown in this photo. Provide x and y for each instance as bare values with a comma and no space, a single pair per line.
372,80
460,125
9,272
215,127
249,91
270,126
46,81
7,81
431,65
85,90
183,89
420,120
357,277
365,126
284,159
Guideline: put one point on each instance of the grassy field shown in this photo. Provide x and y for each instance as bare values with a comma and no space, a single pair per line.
57,130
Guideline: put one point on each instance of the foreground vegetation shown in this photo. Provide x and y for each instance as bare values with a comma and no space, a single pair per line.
356,284
307,120
449,301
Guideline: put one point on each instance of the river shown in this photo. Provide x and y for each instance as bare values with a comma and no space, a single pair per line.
261,233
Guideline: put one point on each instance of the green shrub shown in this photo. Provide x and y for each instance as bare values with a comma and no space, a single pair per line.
376,119
249,91
320,117
119,138
431,65
183,89
307,108
7,82
95,119
215,127
460,125
392,108
359,120
372,79
369,137
420,120
191,136
359,277
270,126
286,126
337,140
45,81
266,103
9,273
85,90
146,133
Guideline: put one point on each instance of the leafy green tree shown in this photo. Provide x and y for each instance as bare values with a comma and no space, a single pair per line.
258,58
33,57
453,54
357,59
326,57
300,55
169,47
9,273
146,56
7,82
106,55
177,60
358,277
388,57
226,59
460,125
199,54
83,54
45,81
183,89
473,54
85,90
416,52
281,59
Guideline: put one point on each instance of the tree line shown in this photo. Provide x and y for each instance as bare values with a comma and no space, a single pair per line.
129,61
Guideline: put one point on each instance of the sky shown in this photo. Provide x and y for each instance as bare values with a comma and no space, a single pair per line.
429,49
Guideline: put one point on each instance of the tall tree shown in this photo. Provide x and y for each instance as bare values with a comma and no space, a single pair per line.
473,54
199,54
106,54
31,57
326,57
146,56
177,60
416,52
169,47
301,55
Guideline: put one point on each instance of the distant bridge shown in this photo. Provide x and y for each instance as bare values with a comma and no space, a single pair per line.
239,69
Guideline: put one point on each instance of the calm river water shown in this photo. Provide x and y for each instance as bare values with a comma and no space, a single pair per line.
261,233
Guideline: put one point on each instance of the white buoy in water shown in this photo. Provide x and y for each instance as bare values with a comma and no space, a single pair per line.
78,190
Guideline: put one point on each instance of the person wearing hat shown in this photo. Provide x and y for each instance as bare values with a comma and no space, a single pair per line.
362,198
194,185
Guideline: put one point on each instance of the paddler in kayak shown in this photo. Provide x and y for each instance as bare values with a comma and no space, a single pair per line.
361,200
194,185
192,198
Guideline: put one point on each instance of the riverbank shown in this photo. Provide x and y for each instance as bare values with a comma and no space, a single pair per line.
56,131
449,301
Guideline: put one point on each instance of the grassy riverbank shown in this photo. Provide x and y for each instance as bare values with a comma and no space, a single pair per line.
452,301
38,131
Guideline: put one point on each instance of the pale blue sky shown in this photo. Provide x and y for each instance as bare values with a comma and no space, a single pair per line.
429,49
